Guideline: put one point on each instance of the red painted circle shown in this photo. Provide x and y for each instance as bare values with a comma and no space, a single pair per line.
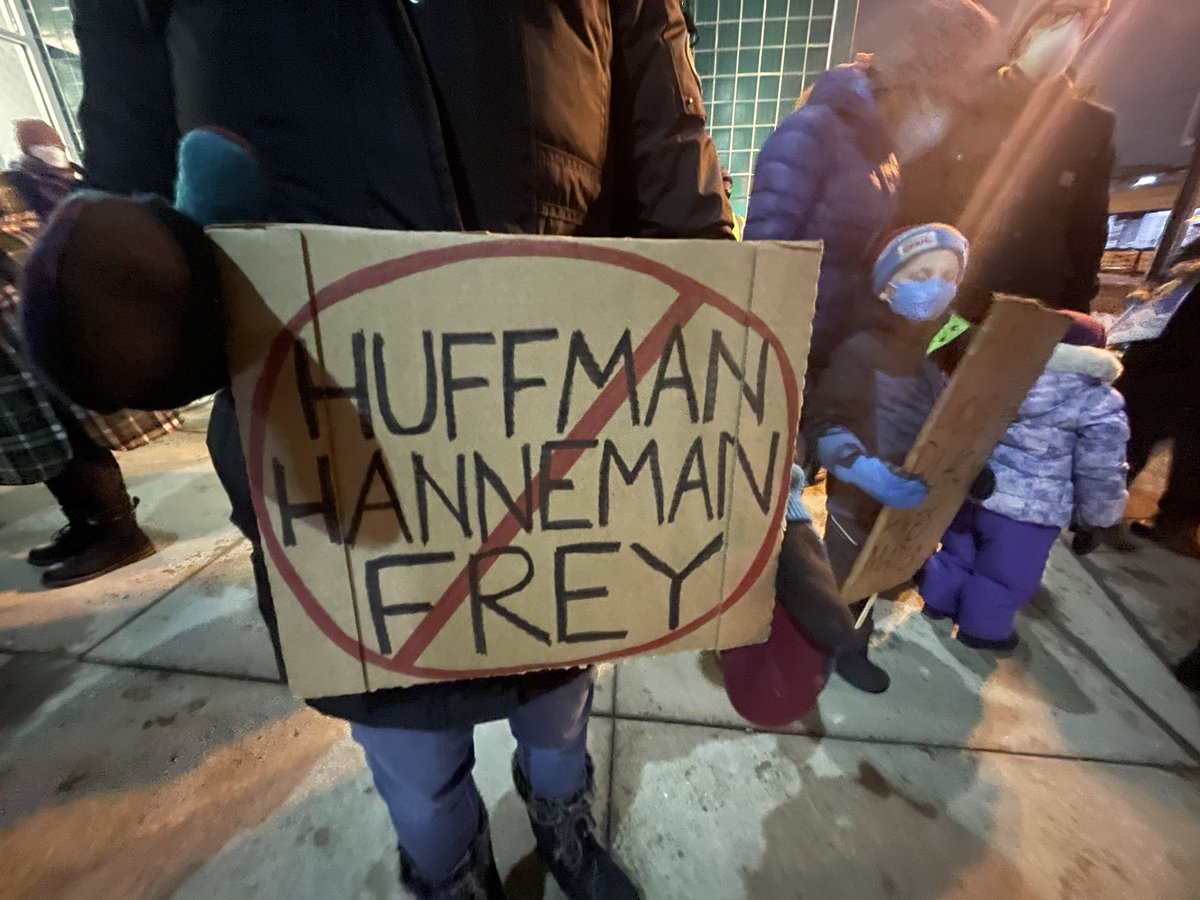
404,661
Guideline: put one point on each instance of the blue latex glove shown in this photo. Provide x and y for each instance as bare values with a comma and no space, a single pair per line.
844,455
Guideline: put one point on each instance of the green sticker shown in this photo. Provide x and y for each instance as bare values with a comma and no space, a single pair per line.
951,331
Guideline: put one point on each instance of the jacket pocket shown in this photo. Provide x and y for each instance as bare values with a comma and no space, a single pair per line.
568,186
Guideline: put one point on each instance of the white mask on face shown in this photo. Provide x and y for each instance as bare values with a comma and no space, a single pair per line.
1052,50
921,129
51,156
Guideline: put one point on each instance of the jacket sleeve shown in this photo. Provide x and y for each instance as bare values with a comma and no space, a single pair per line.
128,109
844,396
666,154
788,176
1099,468
1087,224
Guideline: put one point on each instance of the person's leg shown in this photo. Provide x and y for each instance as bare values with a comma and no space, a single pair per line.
225,449
1148,420
845,534
807,589
424,778
102,533
551,732
554,777
1009,565
941,580
1181,502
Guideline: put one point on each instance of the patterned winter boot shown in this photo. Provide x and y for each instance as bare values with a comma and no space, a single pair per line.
568,846
475,878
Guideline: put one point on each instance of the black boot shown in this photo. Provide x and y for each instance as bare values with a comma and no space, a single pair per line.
71,539
852,662
111,545
568,847
475,878
1188,671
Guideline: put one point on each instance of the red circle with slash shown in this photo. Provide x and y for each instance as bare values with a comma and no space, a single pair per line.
692,296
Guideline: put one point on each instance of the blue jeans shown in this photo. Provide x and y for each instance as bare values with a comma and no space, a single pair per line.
424,777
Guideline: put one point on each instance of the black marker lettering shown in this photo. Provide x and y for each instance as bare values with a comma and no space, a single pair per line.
547,485
564,595
381,387
481,601
377,469
326,507
453,385
686,483
380,612
718,352
513,384
677,578
580,354
424,481
486,475
611,456
310,394
681,382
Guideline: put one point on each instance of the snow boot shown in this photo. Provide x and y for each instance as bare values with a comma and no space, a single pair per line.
475,878
567,843
110,546
852,662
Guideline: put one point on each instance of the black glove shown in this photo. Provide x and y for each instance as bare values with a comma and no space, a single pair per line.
983,486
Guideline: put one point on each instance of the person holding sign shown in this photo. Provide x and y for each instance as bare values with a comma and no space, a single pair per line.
370,114
1062,461
878,391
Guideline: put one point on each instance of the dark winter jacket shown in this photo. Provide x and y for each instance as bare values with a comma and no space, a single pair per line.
828,174
1040,220
880,386
40,185
576,118
1064,457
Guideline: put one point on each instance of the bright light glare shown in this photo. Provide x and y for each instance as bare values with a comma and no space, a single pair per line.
1146,181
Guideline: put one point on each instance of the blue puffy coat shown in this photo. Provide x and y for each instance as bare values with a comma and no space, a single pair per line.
1064,457
828,174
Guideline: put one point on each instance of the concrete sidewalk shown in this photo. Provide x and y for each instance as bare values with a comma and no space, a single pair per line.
146,752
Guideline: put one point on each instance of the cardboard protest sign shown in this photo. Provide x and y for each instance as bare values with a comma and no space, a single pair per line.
981,401
476,455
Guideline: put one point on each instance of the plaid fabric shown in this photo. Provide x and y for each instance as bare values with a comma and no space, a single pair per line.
33,444
127,429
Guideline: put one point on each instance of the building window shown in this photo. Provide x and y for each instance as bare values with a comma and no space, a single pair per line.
28,87
755,57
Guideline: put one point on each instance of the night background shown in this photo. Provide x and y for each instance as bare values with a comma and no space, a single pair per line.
1143,61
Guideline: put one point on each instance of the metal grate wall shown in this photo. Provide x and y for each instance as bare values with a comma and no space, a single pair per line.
755,57
54,24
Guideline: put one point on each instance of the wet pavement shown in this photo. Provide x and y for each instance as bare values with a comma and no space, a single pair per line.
146,750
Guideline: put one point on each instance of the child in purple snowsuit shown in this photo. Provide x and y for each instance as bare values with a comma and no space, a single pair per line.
1062,461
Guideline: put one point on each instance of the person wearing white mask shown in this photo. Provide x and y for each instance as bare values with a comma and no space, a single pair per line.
1024,171
43,174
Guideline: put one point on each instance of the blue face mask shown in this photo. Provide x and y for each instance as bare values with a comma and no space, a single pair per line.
920,301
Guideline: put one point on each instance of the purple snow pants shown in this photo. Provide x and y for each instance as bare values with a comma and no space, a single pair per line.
988,568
